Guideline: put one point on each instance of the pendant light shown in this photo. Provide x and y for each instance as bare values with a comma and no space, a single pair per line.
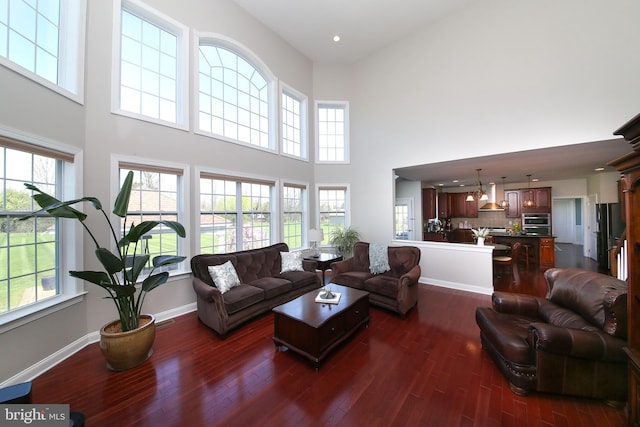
528,203
479,193
504,203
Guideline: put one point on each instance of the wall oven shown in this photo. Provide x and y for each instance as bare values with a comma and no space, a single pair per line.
537,223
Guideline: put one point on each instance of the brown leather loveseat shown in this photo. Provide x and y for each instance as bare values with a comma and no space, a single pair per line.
395,289
570,342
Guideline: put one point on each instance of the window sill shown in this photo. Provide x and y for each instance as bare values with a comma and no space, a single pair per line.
37,311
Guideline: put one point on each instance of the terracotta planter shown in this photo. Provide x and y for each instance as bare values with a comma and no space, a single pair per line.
126,350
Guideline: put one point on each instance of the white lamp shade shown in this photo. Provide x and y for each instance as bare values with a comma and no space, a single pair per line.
315,235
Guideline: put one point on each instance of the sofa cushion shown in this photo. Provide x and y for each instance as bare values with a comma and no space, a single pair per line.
353,279
590,295
300,279
563,317
272,286
509,333
382,285
291,261
242,297
224,276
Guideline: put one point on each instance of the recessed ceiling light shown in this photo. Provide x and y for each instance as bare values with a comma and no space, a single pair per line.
599,169
336,38
455,180
535,179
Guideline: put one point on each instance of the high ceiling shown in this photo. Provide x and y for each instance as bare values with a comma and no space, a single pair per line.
364,26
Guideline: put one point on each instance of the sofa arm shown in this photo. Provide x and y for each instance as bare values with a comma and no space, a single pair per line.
591,345
206,292
340,267
526,305
309,265
411,277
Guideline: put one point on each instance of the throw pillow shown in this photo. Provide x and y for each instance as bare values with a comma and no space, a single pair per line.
378,259
224,276
291,261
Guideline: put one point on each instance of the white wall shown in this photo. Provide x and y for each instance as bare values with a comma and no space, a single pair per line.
498,76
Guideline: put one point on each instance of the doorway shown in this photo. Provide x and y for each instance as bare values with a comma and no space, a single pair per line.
567,220
404,219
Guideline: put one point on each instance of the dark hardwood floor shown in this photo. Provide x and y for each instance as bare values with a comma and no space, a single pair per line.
426,370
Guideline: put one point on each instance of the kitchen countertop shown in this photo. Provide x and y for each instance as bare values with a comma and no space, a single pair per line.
530,235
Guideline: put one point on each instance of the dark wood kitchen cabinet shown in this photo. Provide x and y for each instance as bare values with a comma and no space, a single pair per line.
541,200
460,208
428,204
547,252
513,198
444,205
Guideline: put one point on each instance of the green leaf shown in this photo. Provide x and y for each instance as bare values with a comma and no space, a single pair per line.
122,201
135,265
152,282
137,231
162,260
122,291
99,278
109,261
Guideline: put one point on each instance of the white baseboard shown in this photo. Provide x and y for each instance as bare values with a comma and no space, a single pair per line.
69,350
457,286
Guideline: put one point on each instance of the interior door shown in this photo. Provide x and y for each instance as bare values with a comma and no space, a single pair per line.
564,220
591,242
404,219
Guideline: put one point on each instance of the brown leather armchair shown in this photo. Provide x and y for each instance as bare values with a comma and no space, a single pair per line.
395,289
570,342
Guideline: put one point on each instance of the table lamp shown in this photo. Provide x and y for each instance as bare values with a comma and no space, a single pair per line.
315,236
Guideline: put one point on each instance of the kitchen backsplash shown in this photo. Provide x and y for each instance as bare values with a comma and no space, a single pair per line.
486,219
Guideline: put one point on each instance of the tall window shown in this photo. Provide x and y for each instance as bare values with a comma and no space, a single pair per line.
234,97
44,40
333,210
235,214
29,250
294,117
293,207
333,132
155,195
152,64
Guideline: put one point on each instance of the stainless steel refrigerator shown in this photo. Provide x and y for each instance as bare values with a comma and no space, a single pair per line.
609,228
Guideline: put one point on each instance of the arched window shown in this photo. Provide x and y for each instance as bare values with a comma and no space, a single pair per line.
235,98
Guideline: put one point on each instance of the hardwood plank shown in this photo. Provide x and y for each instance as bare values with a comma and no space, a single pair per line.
426,370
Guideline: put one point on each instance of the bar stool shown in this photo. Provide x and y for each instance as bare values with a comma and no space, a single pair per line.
529,253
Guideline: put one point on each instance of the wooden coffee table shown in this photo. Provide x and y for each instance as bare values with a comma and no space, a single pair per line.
313,329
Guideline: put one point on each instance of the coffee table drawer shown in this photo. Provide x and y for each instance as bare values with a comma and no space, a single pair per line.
331,331
357,314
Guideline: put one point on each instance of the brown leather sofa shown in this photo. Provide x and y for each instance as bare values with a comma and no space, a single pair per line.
396,289
262,287
570,342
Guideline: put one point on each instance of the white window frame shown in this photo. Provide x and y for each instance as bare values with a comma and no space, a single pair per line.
71,47
305,211
183,202
304,120
182,81
274,230
70,255
347,204
254,60
337,104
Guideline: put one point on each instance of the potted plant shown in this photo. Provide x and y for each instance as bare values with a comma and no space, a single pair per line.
344,239
121,270
480,234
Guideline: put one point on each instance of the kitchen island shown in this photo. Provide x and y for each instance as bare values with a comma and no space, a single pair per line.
543,247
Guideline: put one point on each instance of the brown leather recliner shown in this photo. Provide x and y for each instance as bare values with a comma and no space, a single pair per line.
395,289
570,342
